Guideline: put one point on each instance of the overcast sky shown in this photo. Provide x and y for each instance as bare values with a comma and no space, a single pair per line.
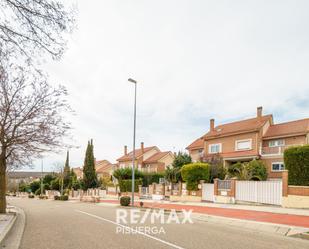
193,60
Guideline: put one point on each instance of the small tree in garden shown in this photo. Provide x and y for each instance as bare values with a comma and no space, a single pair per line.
193,173
126,174
253,170
217,169
173,173
296,161
181,159
90,179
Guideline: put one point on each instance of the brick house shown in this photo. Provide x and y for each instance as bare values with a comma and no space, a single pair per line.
102,168
254,138
148,159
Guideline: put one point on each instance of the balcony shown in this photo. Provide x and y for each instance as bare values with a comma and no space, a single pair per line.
275,151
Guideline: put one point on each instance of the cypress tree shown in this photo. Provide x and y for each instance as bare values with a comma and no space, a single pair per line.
90,176
66,172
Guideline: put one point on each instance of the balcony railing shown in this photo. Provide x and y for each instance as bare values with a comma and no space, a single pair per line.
278,150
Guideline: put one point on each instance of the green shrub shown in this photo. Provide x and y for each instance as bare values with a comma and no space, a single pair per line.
61,198
254,170
194,172
126,174
64,197
38,191
296,161
257,170
125,201
35,185
31,196
126,185
149,178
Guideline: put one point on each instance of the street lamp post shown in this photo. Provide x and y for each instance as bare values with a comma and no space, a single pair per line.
134,131
42,177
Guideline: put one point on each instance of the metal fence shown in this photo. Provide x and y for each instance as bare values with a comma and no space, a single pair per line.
268,192
224,184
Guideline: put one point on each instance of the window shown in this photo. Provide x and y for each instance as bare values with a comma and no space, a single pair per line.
201,152
244,144
214,148
276,143
277,166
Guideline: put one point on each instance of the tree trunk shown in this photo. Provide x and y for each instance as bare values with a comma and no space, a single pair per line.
2,185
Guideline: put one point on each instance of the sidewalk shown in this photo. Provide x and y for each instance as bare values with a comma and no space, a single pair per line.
268,214
6,223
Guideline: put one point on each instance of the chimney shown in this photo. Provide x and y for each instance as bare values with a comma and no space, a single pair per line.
142,147
126,150
259,111
212,124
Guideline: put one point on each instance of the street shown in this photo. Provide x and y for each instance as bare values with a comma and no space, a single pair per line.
55,224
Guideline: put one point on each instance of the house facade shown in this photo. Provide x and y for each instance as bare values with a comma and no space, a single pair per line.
255,138
103,168
148,159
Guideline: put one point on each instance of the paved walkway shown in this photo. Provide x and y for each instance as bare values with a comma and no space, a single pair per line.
238,213
5,222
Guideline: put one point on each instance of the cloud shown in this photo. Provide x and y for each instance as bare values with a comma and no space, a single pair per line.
193,61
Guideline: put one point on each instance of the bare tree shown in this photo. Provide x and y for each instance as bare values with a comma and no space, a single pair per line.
34,26
31,119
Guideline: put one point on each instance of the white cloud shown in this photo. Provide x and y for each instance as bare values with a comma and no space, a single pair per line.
193,60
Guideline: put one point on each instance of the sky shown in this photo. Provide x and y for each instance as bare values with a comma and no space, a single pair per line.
193,60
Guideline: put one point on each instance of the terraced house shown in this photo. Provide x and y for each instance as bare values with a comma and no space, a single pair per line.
254,138
148,159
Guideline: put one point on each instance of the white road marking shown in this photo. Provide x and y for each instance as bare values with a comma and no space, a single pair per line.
133,230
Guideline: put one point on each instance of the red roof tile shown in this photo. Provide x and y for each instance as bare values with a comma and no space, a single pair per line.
197,144
101,163
156,157
247,125
288,129
138,153
106,168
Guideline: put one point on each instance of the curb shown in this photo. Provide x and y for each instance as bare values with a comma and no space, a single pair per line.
15,233
8,228
279,229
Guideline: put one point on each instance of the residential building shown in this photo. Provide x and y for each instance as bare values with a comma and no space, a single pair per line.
148,159
102,167
254,138
106,170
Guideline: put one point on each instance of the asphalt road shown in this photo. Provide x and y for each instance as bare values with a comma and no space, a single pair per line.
66,225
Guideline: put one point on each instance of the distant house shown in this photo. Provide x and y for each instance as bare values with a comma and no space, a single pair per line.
254,138
105,169
25,176
79,172
102,167
148,159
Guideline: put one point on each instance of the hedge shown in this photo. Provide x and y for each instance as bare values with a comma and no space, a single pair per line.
149,178
296,161
194,172
126,185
